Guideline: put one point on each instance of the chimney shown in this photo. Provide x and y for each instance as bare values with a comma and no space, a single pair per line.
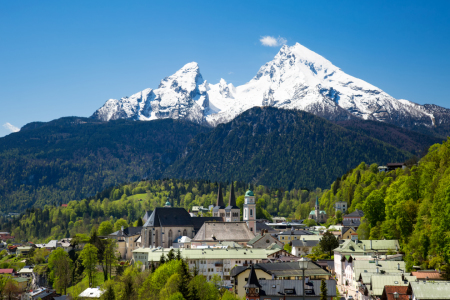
364,247
370,244
121,228
398,266
378,269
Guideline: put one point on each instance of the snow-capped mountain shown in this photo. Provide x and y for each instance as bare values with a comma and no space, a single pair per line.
297,78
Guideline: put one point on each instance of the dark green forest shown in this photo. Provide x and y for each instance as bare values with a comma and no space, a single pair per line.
280,148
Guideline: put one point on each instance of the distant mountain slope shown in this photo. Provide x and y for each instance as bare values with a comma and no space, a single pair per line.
401,138
297,78
71,158
280,148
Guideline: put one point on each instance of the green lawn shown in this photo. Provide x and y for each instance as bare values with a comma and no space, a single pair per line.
138,196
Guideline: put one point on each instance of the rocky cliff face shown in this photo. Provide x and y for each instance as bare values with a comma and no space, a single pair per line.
297,78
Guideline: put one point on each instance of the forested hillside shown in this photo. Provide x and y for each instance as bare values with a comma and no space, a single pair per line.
72,158
412,205
280,148
127,203
401,138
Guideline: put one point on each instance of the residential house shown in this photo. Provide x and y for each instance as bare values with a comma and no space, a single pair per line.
347,232
25,272
353,219
280,272
393,166
389,290
127,239
341,206
291,235
7,271
429,290
303,246
23,250
22,283
428,275
261,225
264,240
65,244
41,293
344,254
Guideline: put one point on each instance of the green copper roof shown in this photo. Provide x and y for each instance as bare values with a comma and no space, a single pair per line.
249,193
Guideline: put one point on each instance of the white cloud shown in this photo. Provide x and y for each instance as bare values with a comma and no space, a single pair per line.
11,127
271,41
229,73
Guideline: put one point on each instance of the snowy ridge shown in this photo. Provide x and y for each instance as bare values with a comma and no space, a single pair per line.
297,78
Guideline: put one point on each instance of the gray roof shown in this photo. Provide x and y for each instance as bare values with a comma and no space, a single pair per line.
306,243
129,231
198,222
351,223
224,231
278,287
169,216
430,289
357,213
261,225
284,269
297,232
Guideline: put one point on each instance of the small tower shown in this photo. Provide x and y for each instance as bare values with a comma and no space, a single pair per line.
232,211
168,204
219,209
250,210
317,210
252,287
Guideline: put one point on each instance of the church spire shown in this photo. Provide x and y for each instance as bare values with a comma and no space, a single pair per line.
220,197
232,199
317,202
252,281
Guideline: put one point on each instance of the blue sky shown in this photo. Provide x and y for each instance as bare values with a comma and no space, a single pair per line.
61,58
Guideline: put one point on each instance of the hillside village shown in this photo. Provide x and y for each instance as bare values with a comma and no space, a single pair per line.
250,259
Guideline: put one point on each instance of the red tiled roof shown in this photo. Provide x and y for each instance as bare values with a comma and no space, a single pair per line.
6,271
389,291
429,274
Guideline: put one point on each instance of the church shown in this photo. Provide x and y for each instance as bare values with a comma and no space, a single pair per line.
320,216
167,223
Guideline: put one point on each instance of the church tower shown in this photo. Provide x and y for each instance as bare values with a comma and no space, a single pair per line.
317,210
232,211
219,209
250,210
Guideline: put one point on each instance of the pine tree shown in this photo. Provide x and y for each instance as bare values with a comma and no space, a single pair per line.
323,290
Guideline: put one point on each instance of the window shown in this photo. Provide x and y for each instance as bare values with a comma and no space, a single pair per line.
251,212
185,232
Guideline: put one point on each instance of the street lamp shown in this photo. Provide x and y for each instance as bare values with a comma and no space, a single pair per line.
395,295
303,264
